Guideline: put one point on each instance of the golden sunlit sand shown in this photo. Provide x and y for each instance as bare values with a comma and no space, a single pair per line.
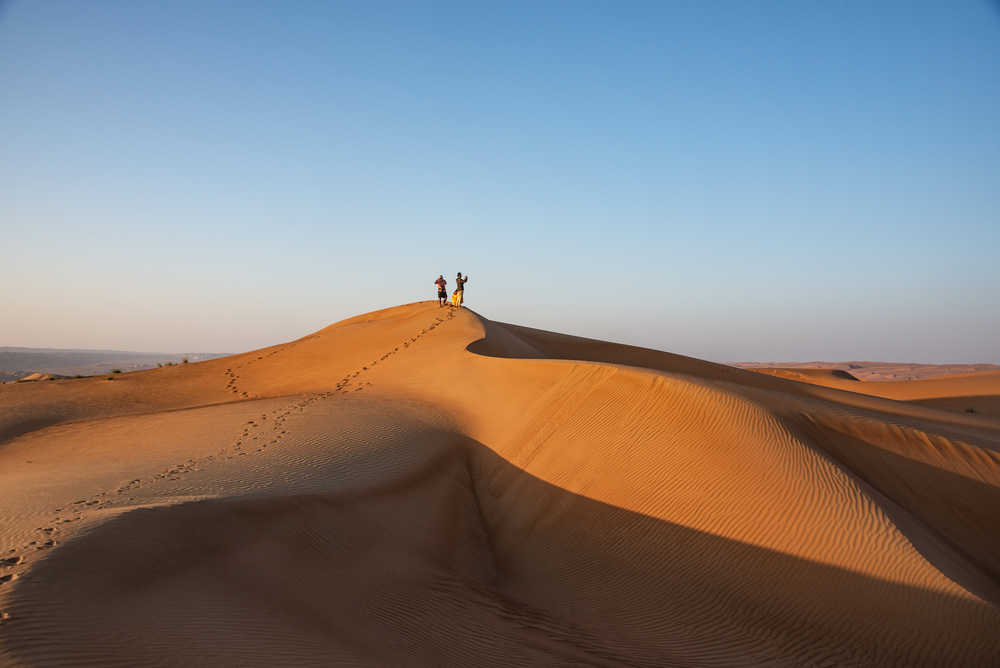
423,486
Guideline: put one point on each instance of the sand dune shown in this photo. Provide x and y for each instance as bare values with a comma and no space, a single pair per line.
33,377
972,393
418,486
829,377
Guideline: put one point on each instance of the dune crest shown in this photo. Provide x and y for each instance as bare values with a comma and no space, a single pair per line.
421,486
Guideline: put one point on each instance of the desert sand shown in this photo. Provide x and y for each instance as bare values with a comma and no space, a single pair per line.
974,393
423,486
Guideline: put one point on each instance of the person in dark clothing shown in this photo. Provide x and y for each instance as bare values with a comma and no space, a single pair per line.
460,290
442,286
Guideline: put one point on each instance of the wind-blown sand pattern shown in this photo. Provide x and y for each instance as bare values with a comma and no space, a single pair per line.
419,486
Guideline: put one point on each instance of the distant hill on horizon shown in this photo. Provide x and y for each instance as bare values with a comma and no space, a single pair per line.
878,371
17,362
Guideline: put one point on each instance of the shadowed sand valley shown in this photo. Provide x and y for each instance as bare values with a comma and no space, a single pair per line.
423,486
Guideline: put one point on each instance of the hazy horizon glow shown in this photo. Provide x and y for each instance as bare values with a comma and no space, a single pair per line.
783,181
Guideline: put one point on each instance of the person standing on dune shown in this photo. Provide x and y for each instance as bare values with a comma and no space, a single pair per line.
442,286
460,290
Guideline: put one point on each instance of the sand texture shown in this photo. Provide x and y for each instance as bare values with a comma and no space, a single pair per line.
422,487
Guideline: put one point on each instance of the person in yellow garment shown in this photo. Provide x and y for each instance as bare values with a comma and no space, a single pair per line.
459,297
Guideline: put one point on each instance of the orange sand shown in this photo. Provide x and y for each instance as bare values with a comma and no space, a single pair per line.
421,486
973,393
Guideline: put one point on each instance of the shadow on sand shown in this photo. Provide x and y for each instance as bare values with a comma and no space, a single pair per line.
462,559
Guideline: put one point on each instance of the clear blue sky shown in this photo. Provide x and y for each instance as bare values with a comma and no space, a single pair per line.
730,180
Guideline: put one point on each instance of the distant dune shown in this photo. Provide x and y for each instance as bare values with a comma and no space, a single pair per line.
422,486
973,393
819,376
31,377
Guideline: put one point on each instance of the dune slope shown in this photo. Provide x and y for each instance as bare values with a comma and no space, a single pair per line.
419,486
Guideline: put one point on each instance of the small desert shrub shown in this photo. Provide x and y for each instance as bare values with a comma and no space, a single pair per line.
79,376
970,410
50,378
116,371
185,360
110,378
